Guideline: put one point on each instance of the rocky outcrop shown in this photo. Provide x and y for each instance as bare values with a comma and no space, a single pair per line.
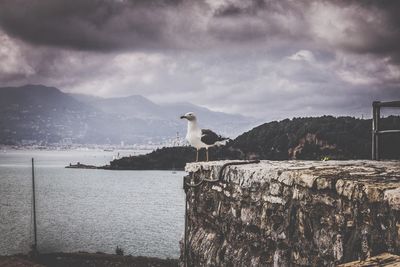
297,213
309,139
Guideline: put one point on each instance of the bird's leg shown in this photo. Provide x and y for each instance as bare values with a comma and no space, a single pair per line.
207,153
197,155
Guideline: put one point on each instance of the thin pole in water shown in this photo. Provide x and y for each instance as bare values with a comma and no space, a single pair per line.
34,247
185,252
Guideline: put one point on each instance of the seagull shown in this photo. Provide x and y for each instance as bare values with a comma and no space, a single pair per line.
201,138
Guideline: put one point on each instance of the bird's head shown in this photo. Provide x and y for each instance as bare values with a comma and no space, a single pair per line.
189,116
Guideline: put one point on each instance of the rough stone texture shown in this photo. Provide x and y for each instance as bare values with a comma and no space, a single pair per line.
293,213
384,259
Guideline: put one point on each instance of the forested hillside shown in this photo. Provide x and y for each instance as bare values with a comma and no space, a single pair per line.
315,138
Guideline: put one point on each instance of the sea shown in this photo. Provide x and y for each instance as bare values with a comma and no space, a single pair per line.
141,212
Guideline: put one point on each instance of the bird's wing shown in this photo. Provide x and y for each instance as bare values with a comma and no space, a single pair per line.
208,137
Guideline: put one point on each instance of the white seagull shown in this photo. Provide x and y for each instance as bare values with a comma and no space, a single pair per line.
201,138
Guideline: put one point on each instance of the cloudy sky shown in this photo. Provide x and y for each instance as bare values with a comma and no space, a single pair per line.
268,59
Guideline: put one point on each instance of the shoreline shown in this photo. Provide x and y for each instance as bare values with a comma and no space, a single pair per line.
84,259
109,168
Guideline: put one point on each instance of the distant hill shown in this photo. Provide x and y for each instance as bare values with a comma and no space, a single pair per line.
315,138
299,138
168,158
35,112
230,125
137,106
39,114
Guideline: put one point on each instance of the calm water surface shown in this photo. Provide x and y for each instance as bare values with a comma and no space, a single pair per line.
88,210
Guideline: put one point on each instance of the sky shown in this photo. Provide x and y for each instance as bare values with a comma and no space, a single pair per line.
266,59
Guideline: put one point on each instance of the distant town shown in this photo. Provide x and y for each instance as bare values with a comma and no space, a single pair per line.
68,144
45,118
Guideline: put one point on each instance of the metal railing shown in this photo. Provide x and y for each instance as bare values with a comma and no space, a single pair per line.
376,132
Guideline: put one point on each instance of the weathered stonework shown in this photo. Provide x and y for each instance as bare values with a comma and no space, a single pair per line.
292,213
384,259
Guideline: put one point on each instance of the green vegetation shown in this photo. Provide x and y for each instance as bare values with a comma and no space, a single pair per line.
316,138
168,158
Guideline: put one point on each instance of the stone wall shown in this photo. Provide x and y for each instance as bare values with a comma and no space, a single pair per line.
292,213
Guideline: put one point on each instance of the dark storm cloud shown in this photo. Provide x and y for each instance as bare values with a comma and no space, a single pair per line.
88,24
234,9
296,58
363,27
164,24
354,26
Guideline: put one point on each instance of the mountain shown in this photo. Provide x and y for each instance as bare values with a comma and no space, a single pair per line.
37,114
137,106
315,138
134,106
226,124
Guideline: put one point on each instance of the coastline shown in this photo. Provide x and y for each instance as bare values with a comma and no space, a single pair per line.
84,259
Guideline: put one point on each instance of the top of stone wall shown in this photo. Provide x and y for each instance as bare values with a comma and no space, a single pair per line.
377,181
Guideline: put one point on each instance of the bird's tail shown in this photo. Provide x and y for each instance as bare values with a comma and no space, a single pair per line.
222,142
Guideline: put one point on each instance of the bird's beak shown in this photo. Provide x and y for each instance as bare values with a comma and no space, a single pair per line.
183,117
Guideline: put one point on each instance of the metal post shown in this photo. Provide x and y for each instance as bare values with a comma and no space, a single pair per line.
373,133
376,132
185,252
374,129
377,137
34,246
